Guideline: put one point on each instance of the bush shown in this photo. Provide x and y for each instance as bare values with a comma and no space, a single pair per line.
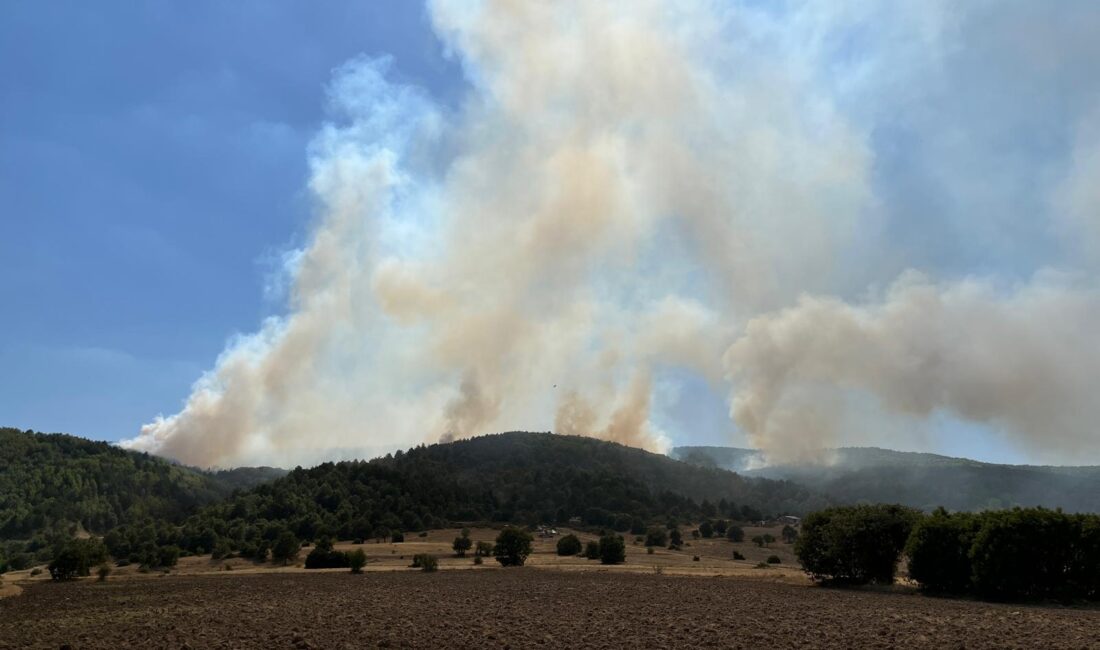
706,529
855,544
1034,553
656,536
695,558
592,550
513,546
735,534
675,539
167,556
75,558
738,556
649,550
357,541
569,545
773,559
789,534
422,533
939,551
36,571
397,537
324,557
357,559
477,559
425,562
103,572
721,526
612,549
483,549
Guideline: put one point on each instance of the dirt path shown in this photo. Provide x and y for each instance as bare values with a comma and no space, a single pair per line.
516,607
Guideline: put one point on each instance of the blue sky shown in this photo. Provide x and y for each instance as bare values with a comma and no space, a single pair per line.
152,161
155,161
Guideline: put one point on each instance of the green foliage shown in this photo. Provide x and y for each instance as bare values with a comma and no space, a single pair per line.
737,555
102,572
774,559
51,482
75,558
735,534
323,556
569,545
675,539
759,541
357,559
462,543
656,536
855,544
425,562
706,529
397,537
789,534
612,549
592,550
939,551
483,549
721,526
512,547
285,548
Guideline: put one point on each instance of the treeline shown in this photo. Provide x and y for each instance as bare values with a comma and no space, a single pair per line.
54,485
522,478
1018,554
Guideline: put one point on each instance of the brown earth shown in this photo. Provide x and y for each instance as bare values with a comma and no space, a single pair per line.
521,607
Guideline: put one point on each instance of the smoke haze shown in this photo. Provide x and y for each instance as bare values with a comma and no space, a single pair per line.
627,189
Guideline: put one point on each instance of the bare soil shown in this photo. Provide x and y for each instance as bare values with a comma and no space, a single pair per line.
516,608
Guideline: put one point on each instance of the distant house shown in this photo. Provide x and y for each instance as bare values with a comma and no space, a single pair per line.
789,520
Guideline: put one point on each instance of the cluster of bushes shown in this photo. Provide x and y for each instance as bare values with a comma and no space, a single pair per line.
1019,554
76,558
1024,553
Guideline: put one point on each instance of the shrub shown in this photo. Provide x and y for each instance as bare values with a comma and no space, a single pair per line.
36,571
721,526
695,558
735,534
357,559
425,562
569,545
422,533
758,540
612,549
167,556
357,541
76,557
854,544
103,572
477,559
592,550
656,536
512,547
483,549
649,550
738,556
789,534
706,529
1029,553
397,537
324,557
773,559
939,551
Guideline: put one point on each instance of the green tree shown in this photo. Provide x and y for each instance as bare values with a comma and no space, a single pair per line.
462,543
855,544
75,558
569,545
706,529
938,550
656,536
286,548
675,539
612,549
735,534
592,550
789,534
512,547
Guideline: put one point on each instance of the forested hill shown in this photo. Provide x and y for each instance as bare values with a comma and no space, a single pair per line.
925,481
524,478
53,482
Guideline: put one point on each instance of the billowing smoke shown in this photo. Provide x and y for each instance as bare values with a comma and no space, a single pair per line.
626,189
1024,359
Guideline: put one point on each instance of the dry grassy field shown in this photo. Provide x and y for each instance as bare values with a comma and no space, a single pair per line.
661,600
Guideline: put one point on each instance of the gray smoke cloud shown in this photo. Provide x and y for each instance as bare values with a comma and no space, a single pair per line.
626,188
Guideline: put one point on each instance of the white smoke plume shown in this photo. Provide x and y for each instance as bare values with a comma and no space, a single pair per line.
627,187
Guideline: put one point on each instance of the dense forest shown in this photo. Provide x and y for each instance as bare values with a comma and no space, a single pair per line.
52,485
919,480
525,478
